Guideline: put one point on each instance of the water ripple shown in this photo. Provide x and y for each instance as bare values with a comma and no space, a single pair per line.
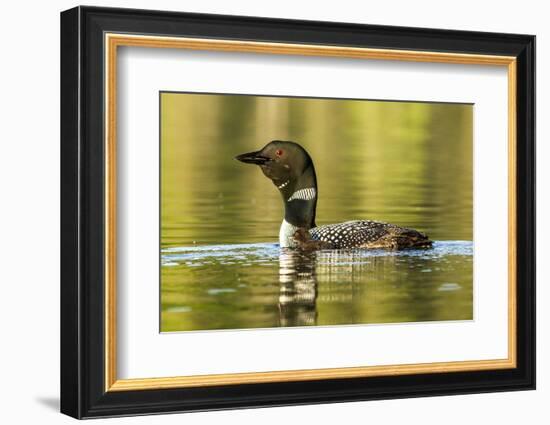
257,253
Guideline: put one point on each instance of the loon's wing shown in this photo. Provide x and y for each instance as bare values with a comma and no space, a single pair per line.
369,234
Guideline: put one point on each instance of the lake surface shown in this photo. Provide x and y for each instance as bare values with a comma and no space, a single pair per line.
260,285
400,162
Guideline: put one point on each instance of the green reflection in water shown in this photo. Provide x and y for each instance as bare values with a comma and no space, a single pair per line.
401,162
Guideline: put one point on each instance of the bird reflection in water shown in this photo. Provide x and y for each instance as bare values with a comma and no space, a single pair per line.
301,273
298,288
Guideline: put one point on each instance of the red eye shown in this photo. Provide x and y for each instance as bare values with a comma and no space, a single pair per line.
279,152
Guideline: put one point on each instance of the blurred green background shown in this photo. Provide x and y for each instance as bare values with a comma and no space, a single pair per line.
402,162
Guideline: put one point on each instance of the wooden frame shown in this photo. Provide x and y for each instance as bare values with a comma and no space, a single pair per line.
90,38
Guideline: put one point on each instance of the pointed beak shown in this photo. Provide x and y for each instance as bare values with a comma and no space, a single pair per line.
252,158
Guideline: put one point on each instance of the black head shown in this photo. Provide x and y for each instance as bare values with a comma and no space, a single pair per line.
290,168
282,162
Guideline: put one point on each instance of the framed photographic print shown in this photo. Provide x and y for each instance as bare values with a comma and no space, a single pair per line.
261,212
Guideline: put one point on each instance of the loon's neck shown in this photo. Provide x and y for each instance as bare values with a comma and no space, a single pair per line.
300,200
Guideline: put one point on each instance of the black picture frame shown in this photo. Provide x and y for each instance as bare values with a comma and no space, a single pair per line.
83,392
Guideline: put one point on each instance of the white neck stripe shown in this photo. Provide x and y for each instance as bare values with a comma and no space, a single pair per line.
304,194
283,185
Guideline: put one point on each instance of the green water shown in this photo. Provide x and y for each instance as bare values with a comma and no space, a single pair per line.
401,162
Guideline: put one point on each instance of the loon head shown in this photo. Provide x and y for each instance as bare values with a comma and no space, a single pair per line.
284,163
290,168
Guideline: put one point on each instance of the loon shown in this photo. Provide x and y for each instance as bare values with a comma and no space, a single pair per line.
290,168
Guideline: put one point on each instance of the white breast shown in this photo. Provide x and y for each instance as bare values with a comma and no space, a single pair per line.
285,235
